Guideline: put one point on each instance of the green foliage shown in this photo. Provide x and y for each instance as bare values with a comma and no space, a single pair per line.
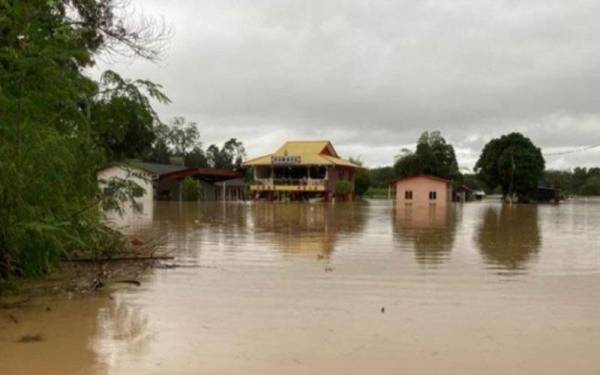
362,179
191,190
116,191
591,186
122,119
381,177
229,156
579,181
196,158
473,182
362,182
512,162
343,188
182,139
54,129
433,156
182,136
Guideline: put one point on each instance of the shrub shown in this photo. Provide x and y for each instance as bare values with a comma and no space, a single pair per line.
191,189
343,188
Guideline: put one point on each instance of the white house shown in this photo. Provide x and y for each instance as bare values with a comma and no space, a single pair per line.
140,176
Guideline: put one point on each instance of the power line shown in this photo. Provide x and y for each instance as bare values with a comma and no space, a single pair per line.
572,151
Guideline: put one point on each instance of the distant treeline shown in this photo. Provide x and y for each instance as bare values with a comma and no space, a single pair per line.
579,181
179,142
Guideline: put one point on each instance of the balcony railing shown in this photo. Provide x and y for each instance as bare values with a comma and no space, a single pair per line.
290,181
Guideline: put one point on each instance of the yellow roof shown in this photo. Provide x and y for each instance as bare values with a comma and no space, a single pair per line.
310,153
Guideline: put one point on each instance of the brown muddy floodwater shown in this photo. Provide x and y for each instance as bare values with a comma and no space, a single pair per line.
337,289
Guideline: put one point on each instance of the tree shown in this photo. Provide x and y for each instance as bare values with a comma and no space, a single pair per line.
472,181
181,139
183,136
234,152
381,177
122,120
195,158
591,186
362,179
433,156
230,156
512,162
51,143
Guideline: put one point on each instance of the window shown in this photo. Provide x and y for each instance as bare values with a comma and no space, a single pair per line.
408,194
432,195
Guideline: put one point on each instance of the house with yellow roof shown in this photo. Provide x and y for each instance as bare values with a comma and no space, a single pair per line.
300,170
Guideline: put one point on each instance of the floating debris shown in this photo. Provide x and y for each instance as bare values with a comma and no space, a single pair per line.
133,282
137,242
31,338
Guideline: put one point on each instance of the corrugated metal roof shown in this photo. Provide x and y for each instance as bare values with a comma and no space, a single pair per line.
157,169
310,152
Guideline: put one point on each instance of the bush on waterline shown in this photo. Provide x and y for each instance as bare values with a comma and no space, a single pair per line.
191,189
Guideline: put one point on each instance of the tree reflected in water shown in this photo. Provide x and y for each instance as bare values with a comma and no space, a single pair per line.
429,231
509,236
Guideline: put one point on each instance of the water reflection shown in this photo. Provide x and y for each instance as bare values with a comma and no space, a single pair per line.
189,215
307,229
509,236
429,231
124,331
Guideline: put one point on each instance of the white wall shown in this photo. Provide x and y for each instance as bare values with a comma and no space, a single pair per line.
123,172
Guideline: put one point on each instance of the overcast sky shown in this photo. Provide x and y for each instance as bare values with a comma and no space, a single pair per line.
372,75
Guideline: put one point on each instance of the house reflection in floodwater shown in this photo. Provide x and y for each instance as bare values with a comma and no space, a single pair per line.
428,230
306,229
509,236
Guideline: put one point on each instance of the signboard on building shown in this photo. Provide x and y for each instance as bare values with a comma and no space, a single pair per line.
286,160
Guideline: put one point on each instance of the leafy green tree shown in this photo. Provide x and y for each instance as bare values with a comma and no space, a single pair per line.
362,182
381,177
407,164
433,156
229,156
196,158
362,179
234,152
183,136
50,143
512,162
473,182
122,120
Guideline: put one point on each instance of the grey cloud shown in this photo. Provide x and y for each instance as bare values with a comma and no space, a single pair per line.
371,76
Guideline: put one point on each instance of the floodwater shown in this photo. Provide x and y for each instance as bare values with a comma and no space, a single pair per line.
355,288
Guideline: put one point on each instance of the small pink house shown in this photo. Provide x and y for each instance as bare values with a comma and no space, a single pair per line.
423,190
